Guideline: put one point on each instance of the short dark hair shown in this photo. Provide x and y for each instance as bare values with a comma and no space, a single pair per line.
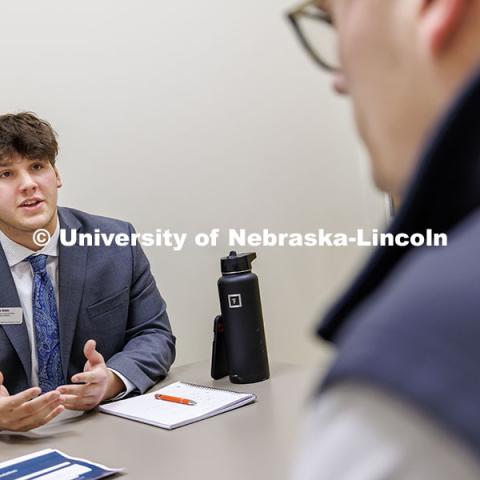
28,136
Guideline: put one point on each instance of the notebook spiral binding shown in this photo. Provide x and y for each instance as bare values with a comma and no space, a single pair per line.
214,389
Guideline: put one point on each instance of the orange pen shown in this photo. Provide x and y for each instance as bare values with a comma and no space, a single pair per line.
169,398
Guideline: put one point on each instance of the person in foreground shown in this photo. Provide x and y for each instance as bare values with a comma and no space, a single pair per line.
401,398
79,325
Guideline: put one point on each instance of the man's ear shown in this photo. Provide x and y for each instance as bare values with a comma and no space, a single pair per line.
59,179
440,21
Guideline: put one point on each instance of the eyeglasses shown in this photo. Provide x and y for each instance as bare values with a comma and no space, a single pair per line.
313,26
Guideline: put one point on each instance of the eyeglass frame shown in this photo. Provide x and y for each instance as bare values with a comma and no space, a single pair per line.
322,16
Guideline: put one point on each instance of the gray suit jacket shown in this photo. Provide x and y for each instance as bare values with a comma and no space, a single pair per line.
106,293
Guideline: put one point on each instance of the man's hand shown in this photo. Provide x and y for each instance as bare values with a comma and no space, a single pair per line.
27,410
97,382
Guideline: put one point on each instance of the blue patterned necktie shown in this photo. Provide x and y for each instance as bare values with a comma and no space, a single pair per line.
45,321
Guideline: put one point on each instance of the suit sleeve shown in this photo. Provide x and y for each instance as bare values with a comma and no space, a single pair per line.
149,349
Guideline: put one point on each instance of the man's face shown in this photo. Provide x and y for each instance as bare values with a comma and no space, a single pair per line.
28,196
377,71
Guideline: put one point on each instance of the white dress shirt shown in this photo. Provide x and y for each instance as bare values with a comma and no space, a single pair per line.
356,432
22,274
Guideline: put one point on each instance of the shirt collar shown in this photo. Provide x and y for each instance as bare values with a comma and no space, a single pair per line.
16,253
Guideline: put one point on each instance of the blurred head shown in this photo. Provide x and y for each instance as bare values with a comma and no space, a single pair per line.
402,61
28,177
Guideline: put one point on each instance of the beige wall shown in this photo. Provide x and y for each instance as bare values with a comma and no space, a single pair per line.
194,115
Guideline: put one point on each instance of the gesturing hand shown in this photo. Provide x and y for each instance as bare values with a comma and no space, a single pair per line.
96,384
27,410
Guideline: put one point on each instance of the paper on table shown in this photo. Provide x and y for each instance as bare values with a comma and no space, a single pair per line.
169,415
52,464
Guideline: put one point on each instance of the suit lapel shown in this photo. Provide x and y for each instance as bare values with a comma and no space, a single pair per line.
17,334
71,272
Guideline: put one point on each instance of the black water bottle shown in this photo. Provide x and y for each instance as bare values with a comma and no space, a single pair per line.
244,334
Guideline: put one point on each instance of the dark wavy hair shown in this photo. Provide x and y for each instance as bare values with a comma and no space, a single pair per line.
26,135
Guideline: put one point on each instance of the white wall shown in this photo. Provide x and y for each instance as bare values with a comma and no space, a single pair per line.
193,115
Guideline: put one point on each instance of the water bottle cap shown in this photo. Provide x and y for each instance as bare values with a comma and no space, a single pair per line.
237,263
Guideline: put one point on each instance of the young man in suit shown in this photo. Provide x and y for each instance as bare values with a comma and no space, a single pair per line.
401,399
78,325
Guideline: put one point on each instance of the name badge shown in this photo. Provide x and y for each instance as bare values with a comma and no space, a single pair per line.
11,316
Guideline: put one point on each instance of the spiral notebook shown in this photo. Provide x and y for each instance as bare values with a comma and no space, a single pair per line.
209,402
